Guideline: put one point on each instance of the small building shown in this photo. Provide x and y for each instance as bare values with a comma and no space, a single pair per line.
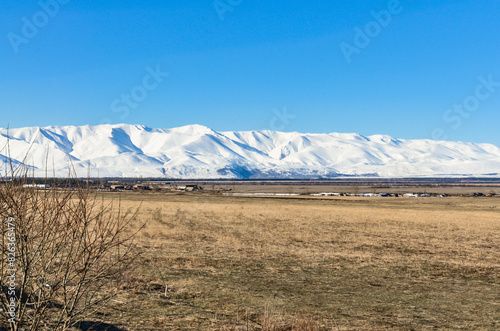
117,187
37,186
141,187
191,188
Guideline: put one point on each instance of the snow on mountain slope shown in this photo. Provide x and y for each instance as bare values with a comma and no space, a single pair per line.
195,151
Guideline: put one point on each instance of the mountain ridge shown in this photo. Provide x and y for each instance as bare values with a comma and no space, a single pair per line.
196,151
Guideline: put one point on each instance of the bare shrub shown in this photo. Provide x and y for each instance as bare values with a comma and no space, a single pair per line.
305,323
273,319
70,250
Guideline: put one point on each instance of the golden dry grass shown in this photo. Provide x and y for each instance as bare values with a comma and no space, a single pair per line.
312,264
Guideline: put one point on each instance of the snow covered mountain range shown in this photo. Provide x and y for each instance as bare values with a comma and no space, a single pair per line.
196,151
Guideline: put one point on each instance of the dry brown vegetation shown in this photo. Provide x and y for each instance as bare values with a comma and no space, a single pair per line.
312,264
62,256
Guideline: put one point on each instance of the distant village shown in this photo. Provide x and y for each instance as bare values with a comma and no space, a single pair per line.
176,187
117,186
113,186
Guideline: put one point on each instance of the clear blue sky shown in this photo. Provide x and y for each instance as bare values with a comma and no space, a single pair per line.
234,67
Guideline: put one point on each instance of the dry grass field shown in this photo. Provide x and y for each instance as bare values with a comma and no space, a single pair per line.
248,263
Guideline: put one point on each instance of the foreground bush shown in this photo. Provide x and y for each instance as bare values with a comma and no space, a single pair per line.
63,253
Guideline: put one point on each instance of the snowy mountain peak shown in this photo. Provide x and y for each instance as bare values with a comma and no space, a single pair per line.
193,129
383,139
196,151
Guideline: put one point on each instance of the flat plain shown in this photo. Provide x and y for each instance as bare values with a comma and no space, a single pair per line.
310,263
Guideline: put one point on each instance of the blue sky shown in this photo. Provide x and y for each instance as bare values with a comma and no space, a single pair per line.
429,70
